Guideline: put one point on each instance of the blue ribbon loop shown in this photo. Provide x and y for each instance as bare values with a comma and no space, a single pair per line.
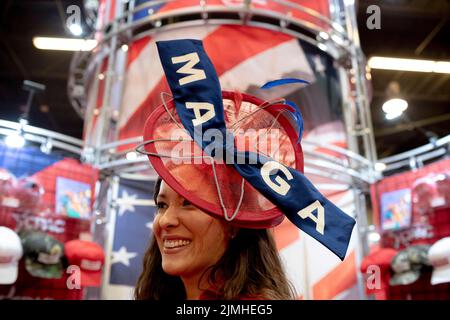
297,114
198,100
280,82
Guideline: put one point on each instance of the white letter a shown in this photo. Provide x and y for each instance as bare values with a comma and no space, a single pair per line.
199,118
319,220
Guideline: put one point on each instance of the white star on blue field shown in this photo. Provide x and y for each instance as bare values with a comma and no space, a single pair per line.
132,230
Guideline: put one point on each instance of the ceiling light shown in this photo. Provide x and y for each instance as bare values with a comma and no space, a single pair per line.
415,65
76,29
15,140
65,44
124,48
441,67
395,105
391,116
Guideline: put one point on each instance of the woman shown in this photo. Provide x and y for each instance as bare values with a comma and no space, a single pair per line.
231,169
211,259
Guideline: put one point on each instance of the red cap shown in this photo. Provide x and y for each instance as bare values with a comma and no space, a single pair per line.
380,257
89,257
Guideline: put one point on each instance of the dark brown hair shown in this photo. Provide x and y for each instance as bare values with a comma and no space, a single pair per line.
250,268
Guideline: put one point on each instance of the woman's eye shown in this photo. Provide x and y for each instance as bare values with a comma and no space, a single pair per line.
187,203
161,205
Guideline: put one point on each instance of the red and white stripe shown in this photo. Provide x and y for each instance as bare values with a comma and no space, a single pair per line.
243,57
145,74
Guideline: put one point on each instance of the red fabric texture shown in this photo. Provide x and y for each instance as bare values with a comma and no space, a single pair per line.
271,132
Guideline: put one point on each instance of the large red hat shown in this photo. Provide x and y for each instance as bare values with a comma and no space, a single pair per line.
234,156
259,126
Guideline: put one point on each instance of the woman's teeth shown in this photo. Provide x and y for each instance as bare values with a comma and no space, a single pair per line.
176,243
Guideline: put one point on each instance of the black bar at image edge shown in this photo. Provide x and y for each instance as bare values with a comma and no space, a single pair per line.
222,309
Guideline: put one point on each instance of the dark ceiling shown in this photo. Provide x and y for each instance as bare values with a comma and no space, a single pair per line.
414,29
409,28
20,21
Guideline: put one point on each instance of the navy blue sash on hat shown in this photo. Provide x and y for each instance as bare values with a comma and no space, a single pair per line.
198,100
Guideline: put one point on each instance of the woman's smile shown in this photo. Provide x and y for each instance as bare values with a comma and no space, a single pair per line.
175,245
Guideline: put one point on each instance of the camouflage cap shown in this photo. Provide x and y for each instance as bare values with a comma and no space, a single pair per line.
408,265
43,254
418,254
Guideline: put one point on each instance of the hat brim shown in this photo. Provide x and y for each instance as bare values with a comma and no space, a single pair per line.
266,215
9,273
380,257
440,275
45,271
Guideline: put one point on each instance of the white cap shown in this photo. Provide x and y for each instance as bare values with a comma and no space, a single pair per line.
439,257
10,254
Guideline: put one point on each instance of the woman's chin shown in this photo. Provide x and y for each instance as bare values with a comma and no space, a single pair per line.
173,268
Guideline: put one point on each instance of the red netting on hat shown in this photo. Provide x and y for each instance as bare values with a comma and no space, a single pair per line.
212,185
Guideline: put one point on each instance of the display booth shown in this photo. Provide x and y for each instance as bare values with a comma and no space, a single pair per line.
46,193
411,213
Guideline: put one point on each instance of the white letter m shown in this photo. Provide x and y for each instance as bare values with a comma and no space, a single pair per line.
194,74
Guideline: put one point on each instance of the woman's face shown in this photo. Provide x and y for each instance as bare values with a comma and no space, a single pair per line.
189,239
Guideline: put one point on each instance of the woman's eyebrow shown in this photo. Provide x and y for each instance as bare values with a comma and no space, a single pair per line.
162,195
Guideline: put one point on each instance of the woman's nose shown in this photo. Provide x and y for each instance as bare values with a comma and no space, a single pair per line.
169,218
